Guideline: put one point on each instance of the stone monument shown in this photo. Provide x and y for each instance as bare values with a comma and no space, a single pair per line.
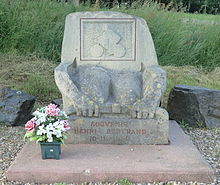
110,80
111,87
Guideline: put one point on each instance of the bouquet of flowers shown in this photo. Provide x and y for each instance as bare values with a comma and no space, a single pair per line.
48,125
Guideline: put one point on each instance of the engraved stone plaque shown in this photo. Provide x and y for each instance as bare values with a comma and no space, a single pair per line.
117,131
107,39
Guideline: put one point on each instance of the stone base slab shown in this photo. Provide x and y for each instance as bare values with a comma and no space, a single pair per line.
179,161
121,131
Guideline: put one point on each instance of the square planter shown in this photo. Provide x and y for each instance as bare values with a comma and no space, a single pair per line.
50,150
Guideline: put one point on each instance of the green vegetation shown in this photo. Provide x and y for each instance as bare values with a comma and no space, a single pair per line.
192,6
33,27
123,182
200,6
184,125
179,43
36,27
29,74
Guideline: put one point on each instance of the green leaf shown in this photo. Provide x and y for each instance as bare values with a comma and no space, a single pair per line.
34,138
28,134
62,140
39,139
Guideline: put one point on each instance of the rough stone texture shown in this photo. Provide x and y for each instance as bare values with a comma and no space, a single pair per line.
180,161
118,131
15,106
58,102
195,105
109,68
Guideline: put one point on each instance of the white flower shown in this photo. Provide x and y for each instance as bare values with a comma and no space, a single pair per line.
50,127
40,117
49,134
50,139
41,130
56,124
64,124
57,133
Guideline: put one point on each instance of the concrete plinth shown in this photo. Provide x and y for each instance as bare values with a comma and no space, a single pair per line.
179,161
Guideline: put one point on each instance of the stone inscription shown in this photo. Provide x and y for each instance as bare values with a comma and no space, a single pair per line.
107,39
110,131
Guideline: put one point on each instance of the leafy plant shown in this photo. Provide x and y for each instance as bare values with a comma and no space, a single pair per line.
184,125
123,182
48,125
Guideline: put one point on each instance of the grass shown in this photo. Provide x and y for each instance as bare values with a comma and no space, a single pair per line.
36,27
180,44
209,17
33,27
29,74
35,76
124,182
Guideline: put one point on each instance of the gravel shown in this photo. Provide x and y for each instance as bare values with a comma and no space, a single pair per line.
207,141
11,142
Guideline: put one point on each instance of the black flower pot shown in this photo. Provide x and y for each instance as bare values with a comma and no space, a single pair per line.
50,150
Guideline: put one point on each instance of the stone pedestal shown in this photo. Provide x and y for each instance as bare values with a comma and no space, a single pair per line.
179,161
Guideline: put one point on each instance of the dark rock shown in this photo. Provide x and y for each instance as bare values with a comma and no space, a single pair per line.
15,106
58,102
196,106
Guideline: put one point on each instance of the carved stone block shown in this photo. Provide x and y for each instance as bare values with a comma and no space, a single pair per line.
109,74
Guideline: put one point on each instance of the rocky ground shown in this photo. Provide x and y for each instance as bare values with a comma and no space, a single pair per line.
11,142
207,141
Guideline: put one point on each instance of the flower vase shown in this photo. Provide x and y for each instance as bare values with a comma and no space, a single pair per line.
50,150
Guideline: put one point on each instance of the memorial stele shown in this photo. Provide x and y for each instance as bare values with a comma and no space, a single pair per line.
110,80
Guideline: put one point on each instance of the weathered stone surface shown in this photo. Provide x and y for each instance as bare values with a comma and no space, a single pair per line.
118,131
58,102
109,68
15,106
88,93
195,105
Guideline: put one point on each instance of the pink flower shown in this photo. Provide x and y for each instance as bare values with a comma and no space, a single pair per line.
66,125
52,106
52,110
30,125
